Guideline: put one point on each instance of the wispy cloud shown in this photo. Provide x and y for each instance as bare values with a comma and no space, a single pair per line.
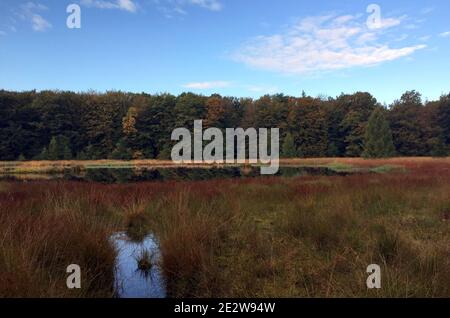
171,8
126,5
323,43
445,34
2,33
207,85
213,5
425,38
39,23
32,6
390,22
29,11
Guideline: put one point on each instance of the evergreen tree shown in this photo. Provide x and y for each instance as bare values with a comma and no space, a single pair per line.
443,121
438,147
64,150
405,118
67,153
82,155
121,152
43,155
53,149
288,149
357,109
378,137
94,123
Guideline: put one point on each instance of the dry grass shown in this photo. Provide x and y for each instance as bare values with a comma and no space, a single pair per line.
258,237
24,167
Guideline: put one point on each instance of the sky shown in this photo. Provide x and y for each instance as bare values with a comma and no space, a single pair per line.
243,48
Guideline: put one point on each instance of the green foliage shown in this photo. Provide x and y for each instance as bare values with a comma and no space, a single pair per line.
307,120
378,137
357,109
438,147
67,153
81,156
121,152
442,119
58,149
288,149
43,155
408,128
53,125
53,150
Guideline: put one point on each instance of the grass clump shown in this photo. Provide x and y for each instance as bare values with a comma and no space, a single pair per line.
137,223
144,260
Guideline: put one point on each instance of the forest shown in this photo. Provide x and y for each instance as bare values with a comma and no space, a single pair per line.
57,125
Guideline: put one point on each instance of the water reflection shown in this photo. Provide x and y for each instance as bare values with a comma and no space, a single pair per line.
130,281
126,175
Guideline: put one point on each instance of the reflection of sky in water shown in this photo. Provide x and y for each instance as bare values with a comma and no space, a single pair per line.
129,280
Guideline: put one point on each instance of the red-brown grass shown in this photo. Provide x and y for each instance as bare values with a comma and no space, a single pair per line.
307,236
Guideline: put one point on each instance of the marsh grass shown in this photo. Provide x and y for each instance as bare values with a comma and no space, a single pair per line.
306,236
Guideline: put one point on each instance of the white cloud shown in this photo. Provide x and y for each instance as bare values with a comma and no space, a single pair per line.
2,32
343,19
390,22
207,85
126,5
178,7
38,22
213,5
322,43
445,34
32,6
425,38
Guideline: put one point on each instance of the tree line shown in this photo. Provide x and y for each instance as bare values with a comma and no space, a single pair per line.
57,125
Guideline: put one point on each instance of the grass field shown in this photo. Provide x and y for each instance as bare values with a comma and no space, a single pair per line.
310,236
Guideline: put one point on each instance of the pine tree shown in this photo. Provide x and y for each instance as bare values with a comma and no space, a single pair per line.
53,149
288,149
439,148
121,152
378,137
43,155
82,155
67,153
64,150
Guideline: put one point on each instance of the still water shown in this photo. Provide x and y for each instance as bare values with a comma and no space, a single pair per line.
130,281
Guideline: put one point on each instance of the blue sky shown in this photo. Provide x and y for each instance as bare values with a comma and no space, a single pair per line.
232,47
